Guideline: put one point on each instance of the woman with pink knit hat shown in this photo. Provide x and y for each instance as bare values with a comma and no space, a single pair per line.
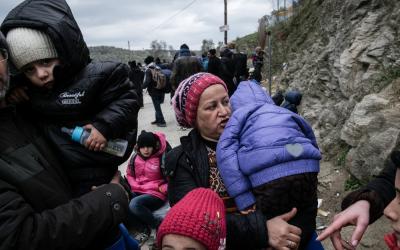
201,102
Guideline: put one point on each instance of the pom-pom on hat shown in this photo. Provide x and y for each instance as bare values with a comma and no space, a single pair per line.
187,96
29,45
146,139
200,215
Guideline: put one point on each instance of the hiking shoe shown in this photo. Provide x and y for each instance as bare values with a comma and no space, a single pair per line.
153,122
182,128
161,124
142,238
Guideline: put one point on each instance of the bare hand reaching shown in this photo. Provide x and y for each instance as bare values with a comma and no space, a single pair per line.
357,215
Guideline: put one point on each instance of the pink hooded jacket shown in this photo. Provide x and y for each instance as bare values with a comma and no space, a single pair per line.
147,177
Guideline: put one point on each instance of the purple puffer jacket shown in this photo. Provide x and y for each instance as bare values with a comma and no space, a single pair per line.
262,142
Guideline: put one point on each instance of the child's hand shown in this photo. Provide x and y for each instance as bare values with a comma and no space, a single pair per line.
96,140
249,210
17,95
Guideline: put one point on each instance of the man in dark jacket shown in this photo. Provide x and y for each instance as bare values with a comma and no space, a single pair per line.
214,63
240,61
184,66
157,95
227,72
36,208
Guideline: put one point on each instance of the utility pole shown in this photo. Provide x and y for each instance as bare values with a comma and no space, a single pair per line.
129,45
284,8
277,12
270,62
226,21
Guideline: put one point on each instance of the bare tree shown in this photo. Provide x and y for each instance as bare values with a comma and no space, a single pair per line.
159,48
220,44
206,45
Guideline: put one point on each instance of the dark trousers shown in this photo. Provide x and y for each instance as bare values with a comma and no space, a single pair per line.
141,209
157,100
281,195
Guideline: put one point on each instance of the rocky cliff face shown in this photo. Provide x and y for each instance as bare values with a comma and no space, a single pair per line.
345,58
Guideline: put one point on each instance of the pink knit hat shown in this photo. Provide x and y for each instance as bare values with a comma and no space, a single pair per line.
187,96
200,215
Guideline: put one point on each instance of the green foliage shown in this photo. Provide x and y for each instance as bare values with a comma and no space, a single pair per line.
108,53
341,160
389,73
352,183
247,43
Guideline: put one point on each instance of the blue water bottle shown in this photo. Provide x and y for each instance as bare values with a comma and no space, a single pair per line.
115,147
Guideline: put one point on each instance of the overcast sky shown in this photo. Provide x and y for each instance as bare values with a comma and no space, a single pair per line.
114,22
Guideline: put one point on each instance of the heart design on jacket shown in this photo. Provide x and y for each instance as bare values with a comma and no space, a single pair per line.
295,149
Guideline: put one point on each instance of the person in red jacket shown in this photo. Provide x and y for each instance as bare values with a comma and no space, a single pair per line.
148,186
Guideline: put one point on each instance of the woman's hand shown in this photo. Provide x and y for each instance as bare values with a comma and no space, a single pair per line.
96,140
282,235
357,215
17,95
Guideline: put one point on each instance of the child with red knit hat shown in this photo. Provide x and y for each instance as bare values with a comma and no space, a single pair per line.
195,222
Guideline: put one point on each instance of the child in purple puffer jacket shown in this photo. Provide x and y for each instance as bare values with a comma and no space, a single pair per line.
268,159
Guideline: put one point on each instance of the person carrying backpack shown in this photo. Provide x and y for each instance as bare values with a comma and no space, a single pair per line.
147,182
156,93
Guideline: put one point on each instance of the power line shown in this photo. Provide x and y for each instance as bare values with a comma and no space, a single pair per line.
174,15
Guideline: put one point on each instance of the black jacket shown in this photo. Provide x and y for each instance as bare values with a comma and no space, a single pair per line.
98,93
227,71
55,18
183,67
214,66
187,168
136,76
379,192
36,208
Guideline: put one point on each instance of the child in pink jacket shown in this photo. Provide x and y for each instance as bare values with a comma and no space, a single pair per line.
148,186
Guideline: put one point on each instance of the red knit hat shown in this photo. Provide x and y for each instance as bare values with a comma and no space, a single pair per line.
187,96
200,215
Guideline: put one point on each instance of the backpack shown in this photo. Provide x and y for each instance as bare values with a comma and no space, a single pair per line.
158,77
167,73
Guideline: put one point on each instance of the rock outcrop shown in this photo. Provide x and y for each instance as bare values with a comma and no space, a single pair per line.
345,60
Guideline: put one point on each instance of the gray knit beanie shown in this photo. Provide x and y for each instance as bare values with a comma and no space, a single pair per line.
29,45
